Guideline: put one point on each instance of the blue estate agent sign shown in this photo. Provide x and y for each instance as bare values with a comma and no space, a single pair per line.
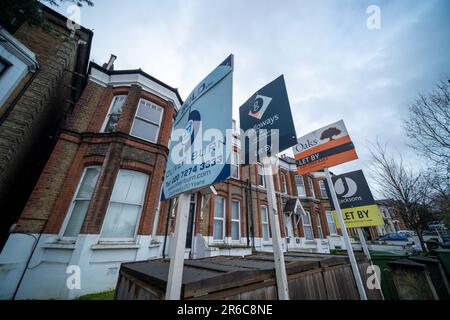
197,156
266,120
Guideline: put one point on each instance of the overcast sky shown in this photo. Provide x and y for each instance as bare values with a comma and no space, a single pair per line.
335,67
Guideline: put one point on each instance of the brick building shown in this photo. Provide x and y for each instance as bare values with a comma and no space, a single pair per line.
41,75
96,202
89,198
233,218
393,220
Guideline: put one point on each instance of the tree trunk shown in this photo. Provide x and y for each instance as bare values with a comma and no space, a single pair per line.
421,240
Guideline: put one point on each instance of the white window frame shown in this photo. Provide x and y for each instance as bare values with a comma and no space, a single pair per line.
72,206
220,218
138,219
238,221
265,224
309,225
108,115
21,60
6,64
319,226
300,178
283,183
311,187
146,120
329,215
261,174
235,163
323,189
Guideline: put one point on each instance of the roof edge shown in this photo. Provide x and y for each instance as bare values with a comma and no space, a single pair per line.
135,71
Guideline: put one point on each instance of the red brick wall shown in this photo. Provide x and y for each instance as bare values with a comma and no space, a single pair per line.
82,145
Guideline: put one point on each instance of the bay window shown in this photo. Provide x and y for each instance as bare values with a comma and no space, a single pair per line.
235,165
80,203
301,191
283,183
319,226
147,121
307,226
261,181
125,206
265,223
311,187
323,189
235,220
331,223
114,112
219,219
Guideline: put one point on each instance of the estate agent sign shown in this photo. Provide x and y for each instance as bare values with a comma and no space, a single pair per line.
324,148
356,201
197,156
266,119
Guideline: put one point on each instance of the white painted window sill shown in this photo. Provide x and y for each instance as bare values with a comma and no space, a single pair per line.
60,245
232,245
115,246
154,244
212,249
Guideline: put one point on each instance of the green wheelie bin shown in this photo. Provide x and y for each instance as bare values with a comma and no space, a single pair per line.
444,257
381,259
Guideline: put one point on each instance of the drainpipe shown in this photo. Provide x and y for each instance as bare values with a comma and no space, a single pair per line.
252,219
169,212
283,221
247,218
156,218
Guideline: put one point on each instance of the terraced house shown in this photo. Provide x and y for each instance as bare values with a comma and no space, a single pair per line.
97,202
98,195
232,217
91,196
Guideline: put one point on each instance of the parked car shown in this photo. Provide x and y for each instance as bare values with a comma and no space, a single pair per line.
407,233
436,226
393,237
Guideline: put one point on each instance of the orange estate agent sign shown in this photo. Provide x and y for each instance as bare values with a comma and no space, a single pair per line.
324,148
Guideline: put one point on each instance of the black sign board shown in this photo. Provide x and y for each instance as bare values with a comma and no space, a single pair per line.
356,201
267,110
352,190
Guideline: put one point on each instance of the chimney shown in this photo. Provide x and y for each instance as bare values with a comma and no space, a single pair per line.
110,65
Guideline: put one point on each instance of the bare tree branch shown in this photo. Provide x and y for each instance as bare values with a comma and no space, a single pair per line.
428,125
410,191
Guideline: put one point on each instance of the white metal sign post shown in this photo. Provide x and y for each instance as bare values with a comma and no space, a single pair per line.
268,115
189,165
348,245
173,290
280,269
364,246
